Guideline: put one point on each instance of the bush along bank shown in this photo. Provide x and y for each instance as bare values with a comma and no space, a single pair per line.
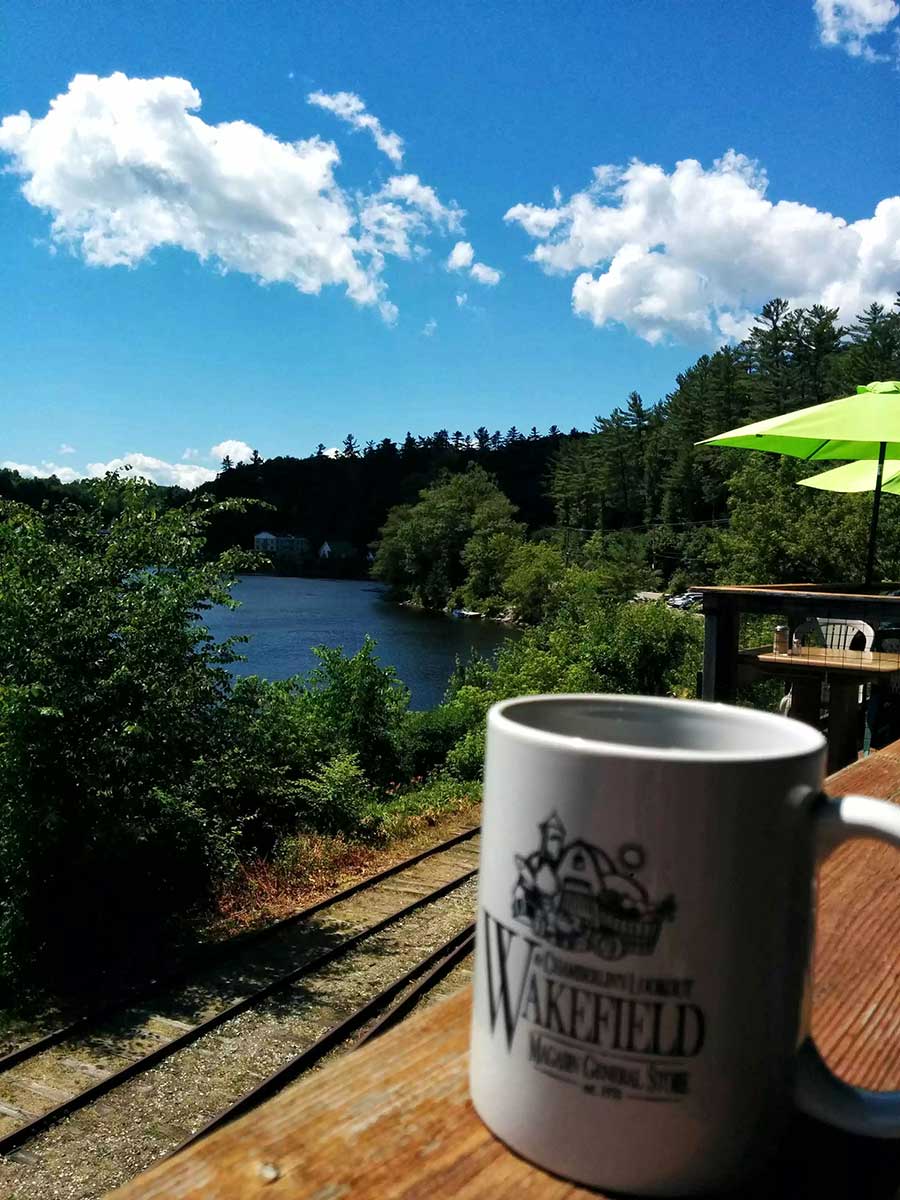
138,779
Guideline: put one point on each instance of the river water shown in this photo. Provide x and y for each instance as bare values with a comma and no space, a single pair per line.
286,617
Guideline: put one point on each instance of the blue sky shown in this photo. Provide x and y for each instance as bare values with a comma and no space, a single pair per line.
117,339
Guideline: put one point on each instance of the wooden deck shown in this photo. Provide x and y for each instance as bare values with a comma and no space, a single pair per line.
394,1119
861,664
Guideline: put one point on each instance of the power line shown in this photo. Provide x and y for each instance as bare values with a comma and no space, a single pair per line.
654,525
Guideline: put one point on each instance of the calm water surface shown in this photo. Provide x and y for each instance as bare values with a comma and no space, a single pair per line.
285,618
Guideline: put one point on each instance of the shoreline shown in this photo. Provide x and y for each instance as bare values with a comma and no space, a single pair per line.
460,614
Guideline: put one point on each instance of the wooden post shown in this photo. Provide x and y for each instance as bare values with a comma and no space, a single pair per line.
843,717
720,649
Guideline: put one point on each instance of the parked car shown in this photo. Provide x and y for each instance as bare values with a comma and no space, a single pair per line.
685,600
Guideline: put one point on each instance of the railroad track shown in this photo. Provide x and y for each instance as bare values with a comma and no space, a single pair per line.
279,989
398,999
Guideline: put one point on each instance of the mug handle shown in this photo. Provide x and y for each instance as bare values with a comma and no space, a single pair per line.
817,1090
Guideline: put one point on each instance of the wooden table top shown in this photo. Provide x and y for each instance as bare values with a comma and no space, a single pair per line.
394,1119
819,658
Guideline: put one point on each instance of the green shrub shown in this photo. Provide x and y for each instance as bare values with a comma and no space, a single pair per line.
486,558
339,798
356,706
651,650
591,646
534,570
111,693
276,736
466,759
426,804
425,737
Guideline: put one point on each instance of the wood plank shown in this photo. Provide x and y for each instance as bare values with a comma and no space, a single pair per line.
814,592
394,1119
799,603
869,663
856,1017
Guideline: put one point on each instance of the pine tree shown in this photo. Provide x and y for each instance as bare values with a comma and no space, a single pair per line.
874,349
577,485
769,346
817,340
351,447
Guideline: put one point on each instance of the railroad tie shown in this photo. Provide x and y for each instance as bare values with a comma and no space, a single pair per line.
86,1068
18,1114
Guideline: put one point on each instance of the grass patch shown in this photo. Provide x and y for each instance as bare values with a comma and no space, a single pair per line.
307,866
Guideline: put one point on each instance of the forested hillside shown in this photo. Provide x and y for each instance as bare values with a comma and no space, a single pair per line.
638,470
347,498
688,512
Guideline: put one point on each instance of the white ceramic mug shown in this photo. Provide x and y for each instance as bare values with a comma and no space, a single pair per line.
646,900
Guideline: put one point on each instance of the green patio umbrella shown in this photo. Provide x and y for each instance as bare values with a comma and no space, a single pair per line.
859,476
861,427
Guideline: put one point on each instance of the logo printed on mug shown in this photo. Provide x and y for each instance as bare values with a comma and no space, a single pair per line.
607,1031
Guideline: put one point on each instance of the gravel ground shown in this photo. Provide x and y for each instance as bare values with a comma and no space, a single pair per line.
118,1136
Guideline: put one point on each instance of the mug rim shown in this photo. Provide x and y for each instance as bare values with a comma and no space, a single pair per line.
806,739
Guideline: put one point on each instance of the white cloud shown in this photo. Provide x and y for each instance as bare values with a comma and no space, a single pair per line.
65,448
851,24
350,108
157,470
489,276
237,451
689,254
394,219
460,259
418,195
44,471
461,299
187,474
124,166
428,329
460,256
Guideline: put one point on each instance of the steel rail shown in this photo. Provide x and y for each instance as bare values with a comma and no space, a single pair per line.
24,1133
212,954
407,1003
438,964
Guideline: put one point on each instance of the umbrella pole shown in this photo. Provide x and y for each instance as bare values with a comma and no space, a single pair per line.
873,528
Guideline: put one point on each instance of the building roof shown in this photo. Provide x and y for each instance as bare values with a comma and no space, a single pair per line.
265,535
